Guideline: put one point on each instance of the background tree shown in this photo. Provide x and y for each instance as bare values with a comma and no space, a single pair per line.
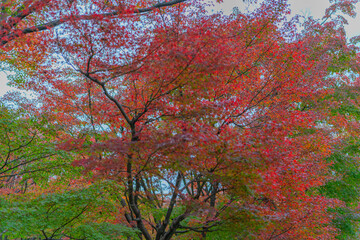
28,151
345,159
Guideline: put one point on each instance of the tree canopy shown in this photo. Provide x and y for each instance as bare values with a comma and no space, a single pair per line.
160,120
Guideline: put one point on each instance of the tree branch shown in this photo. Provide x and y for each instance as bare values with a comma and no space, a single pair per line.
52,24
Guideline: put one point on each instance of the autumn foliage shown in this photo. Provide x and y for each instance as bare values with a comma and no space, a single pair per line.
184,124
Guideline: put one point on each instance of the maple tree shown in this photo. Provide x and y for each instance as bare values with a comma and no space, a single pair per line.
213,126
27,153
42,194
57,213
345,159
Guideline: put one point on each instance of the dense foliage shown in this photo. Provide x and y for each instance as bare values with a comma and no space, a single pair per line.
159,120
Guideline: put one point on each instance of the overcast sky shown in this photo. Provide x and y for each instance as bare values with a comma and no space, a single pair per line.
315,8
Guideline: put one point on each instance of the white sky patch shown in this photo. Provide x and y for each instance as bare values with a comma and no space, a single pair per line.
4,88
315,8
